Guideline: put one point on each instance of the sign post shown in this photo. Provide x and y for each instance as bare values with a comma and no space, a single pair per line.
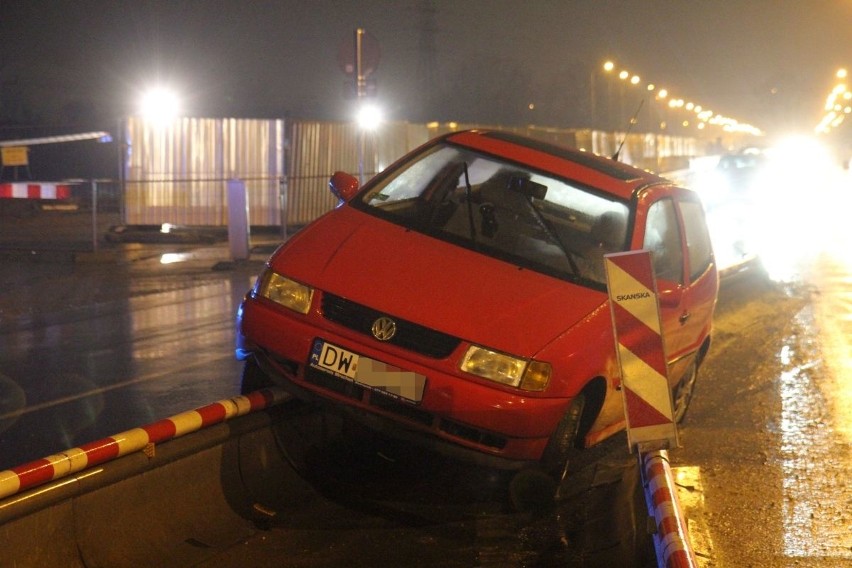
641,353
651,429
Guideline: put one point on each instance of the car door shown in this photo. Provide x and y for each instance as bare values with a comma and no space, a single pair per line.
675,233
700,276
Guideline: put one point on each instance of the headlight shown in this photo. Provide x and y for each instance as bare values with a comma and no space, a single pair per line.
285,292
505,369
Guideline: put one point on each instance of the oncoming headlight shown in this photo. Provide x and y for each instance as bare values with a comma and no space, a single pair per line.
285,292
505,369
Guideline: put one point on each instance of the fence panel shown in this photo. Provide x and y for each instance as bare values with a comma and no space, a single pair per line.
177,173
318,149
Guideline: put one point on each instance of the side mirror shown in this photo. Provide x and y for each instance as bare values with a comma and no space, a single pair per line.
343,186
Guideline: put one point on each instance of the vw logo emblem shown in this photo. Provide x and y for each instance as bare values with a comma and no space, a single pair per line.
384,329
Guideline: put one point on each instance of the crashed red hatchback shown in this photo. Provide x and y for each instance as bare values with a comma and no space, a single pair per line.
459,298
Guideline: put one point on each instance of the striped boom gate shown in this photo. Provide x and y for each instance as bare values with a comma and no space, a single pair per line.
176,492
34,190
648,410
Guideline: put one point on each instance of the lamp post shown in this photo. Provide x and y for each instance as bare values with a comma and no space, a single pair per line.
608,68
369,119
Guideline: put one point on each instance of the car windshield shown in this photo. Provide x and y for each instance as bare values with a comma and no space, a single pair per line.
504,210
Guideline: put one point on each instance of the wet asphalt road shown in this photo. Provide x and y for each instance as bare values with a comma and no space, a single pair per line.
96,347
88,349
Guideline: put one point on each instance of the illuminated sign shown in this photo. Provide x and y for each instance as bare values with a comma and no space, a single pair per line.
15,155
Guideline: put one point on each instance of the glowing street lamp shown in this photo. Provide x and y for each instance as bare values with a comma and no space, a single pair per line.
369,117
160,105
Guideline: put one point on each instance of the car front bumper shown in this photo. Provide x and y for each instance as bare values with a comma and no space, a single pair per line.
458,416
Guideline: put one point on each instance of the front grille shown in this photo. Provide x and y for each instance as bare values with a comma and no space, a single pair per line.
409,335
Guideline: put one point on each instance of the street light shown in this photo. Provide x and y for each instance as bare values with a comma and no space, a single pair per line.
369,117
160,105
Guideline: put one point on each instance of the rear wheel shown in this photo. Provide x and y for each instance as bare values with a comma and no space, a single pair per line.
253,377
682,393
563,444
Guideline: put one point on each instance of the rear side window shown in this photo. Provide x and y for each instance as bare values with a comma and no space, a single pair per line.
698,244
662,238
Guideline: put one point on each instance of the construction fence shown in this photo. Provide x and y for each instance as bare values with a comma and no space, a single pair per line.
178,173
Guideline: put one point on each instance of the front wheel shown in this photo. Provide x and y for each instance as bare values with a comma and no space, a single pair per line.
563,444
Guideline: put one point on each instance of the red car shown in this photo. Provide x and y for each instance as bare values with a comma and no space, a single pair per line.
459,298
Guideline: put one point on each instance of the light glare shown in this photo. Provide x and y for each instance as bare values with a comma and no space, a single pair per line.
369,117
160,105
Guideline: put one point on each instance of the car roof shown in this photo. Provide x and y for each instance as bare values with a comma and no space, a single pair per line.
618,178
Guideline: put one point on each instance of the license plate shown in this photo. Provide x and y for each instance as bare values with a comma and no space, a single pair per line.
346,365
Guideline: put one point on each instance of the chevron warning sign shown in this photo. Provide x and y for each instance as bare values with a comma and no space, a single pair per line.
641,355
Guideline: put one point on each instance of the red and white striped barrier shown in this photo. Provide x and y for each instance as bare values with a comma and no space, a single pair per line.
71,461
671,539
638,331
34,190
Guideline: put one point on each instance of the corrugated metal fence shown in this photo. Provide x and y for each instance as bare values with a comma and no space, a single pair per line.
178,173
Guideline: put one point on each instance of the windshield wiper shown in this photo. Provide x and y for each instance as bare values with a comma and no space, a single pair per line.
550,230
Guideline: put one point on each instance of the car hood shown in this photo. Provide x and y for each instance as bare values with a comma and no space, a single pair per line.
442,286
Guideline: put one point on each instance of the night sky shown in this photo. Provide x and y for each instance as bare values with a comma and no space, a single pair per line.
83,63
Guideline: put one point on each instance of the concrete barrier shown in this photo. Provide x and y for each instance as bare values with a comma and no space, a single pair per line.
671,540
196,494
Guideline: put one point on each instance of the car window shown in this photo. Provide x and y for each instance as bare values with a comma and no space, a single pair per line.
662,238
504,210
699,249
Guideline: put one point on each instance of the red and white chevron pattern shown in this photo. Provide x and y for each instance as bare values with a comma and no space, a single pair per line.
641,354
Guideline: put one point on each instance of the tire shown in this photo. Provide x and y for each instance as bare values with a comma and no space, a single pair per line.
253,377
564,443
683,391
